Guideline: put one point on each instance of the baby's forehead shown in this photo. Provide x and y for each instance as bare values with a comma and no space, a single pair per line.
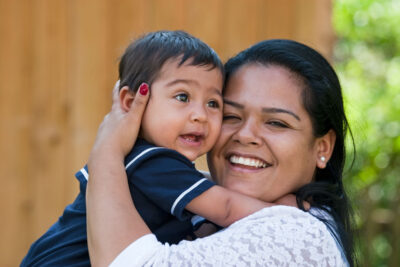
180,62
175,67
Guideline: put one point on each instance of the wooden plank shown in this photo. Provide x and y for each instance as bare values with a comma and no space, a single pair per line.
15,124
313,25
89,68
50,114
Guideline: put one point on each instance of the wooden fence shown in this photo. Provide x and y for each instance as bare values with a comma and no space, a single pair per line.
58,63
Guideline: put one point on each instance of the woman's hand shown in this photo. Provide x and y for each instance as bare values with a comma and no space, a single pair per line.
119,130
112,220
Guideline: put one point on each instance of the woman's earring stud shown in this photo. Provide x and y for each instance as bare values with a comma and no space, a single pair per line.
322,158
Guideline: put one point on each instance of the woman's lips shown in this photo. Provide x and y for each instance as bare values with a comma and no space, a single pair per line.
247,162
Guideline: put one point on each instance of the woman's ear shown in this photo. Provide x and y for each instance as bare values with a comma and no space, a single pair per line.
325,146
126,98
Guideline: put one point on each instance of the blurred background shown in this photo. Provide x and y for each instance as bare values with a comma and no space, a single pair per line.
367,58
58,64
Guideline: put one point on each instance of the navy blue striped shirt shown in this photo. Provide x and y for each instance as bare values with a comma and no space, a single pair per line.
162,182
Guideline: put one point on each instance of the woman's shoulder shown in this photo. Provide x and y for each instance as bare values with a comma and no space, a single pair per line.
272,236
279,235
282,213
287,219
283,229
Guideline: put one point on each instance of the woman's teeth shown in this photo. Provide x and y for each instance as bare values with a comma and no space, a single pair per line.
247,161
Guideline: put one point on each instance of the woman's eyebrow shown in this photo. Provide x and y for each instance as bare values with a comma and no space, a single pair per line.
234,104
279,110
266,110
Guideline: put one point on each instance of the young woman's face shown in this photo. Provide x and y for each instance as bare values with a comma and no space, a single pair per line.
266,148
184,112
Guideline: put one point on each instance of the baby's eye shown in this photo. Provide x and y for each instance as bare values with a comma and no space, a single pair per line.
182,97
213,104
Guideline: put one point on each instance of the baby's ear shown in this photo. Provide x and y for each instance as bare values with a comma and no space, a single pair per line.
126,98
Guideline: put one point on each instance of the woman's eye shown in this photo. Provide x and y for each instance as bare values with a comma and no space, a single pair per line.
230,118
182,97
277,124
213,104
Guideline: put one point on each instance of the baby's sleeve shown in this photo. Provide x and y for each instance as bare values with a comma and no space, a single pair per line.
169,180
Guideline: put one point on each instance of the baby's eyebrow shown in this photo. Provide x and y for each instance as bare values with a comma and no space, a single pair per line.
181,81
186,81
218,92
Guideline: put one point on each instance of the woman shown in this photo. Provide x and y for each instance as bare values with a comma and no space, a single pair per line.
283,107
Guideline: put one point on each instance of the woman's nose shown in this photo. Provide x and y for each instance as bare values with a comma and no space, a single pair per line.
248,134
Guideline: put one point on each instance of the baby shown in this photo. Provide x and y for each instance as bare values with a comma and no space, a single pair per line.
182,121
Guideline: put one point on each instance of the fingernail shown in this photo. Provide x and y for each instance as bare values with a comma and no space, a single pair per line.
143,88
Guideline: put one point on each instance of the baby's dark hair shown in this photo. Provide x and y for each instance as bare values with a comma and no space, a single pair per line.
144,58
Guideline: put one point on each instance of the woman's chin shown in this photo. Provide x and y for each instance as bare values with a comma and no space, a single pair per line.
245,187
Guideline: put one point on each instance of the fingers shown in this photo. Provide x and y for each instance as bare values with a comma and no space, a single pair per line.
115,95
133,118
306,205
140,101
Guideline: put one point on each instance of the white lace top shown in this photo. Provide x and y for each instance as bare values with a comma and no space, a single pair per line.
275,236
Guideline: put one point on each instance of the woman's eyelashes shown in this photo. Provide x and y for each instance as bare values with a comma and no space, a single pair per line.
277,124
230,117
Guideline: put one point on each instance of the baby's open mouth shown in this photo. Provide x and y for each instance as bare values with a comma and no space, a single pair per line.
192,137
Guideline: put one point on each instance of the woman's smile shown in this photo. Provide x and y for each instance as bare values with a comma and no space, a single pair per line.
240,162
253,163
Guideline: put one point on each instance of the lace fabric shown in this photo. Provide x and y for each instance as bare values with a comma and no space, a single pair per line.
275,236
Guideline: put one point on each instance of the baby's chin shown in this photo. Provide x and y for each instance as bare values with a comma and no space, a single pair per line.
190,156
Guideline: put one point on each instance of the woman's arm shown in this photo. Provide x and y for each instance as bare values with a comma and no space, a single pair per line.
108,200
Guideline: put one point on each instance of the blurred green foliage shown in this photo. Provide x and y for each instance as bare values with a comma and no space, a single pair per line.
367,59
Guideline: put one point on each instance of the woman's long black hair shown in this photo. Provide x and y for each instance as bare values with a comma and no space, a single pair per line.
322,99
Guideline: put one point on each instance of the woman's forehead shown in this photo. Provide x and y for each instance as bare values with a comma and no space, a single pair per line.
258,84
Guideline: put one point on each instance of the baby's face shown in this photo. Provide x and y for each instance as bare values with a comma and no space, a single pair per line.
184,112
